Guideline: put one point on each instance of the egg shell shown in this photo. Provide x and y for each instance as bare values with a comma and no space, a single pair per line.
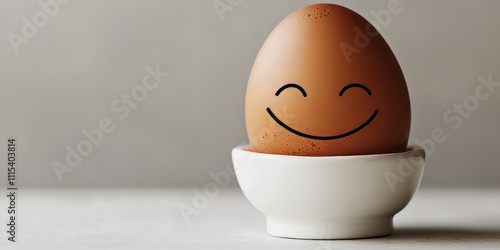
354,99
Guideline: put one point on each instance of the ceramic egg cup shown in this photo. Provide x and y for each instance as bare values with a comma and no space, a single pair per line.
334,197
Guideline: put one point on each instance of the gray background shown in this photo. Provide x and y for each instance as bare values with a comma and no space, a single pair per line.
91,52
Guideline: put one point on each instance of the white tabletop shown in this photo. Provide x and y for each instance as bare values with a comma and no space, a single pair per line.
151,219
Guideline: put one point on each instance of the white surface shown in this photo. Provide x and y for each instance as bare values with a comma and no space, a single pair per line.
312,202
150,219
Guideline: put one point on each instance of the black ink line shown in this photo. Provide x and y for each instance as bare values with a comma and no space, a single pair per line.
355,85
291,85
333,137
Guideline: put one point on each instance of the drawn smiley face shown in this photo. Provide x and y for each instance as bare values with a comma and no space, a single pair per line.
322,137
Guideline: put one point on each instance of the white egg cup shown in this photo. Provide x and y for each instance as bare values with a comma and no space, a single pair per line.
332,197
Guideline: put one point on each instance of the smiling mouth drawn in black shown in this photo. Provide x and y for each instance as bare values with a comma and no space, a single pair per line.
316,137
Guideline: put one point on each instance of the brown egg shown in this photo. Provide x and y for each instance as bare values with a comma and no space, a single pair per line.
325,82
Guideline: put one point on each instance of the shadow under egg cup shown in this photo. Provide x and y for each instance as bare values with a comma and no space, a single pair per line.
329,197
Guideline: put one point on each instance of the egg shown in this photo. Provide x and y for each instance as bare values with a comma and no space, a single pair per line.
326,83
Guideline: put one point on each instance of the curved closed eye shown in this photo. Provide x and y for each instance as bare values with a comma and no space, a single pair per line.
355,85
291,85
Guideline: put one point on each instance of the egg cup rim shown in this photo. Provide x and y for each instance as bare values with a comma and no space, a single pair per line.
412,148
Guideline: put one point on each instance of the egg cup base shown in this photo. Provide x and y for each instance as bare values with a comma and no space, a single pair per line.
325,229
